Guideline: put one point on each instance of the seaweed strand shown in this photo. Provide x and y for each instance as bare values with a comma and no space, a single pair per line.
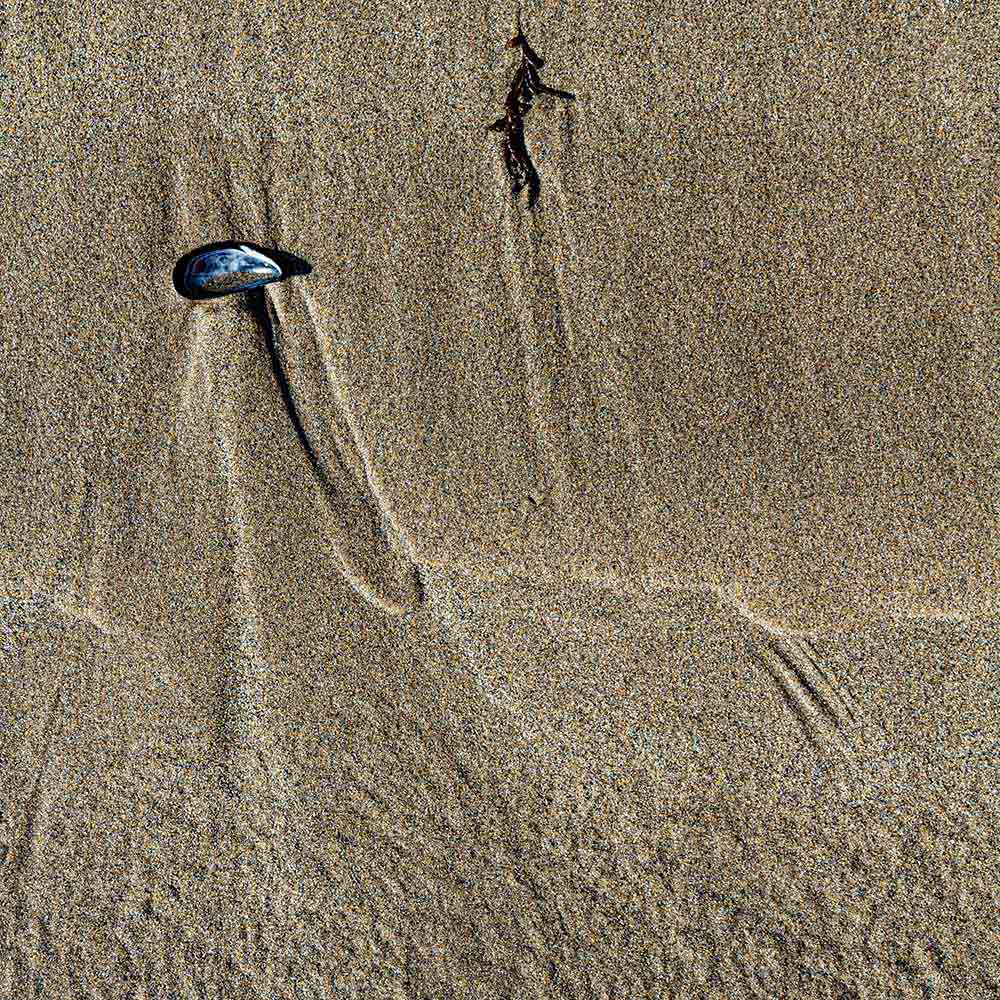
525,85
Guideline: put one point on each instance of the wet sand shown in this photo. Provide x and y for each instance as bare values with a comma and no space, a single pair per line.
587,601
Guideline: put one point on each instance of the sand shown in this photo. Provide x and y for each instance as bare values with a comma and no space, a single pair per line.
598,600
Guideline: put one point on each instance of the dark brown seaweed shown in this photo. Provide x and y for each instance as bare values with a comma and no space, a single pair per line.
525,85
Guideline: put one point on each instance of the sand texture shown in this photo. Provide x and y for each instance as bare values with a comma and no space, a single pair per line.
598,600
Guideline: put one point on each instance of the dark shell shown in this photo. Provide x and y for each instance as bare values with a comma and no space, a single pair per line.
232,266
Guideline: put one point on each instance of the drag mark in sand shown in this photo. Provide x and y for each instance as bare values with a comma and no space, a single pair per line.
825,712
525,86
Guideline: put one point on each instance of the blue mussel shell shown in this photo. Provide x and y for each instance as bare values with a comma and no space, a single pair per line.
232,266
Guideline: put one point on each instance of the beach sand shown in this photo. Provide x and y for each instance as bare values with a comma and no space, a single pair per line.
597,600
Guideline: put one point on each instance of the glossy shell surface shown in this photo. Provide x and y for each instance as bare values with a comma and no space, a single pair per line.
233,266
236,270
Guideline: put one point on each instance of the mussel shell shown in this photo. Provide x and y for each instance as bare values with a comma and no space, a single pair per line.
232,266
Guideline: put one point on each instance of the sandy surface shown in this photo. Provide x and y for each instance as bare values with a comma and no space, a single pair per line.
595,601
